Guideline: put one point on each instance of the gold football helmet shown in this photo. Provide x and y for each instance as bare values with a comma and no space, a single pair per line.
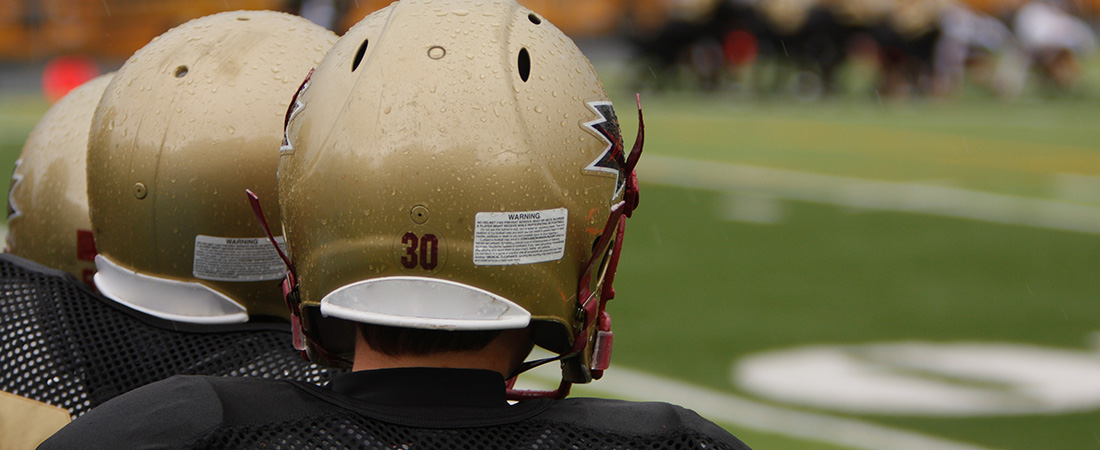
189,122
48,200
459,167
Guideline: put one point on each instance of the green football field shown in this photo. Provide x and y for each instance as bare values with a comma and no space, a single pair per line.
771,227
945,254
855,273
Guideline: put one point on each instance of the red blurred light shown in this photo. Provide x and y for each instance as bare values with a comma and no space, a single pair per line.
65,73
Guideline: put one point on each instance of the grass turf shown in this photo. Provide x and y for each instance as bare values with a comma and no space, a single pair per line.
698,291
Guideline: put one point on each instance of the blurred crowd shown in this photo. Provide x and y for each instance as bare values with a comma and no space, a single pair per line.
894,48
767,48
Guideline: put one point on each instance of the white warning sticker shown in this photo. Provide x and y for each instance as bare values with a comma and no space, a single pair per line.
237,259
507,238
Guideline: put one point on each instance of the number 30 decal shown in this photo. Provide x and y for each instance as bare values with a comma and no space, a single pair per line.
422,251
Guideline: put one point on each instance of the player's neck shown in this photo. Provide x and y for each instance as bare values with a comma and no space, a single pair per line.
502,355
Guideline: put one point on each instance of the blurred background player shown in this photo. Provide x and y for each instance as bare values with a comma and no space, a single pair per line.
907,38
454,189
968,49
205,100
1054,42
810,48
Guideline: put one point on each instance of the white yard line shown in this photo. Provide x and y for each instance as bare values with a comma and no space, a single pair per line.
871,194
722,407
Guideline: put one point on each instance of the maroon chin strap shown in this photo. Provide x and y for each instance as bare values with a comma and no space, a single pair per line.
290,292
595,309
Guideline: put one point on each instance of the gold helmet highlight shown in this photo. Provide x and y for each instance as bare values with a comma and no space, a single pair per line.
189,122
455,167
48,201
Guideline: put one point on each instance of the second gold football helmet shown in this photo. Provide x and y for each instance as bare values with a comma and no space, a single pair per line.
189,122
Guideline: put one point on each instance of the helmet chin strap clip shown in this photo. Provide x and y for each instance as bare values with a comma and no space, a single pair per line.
596,316
302,339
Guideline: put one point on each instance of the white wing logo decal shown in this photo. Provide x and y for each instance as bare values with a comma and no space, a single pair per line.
611,160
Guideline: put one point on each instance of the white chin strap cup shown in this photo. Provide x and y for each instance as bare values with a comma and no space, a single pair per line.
426,303
178,301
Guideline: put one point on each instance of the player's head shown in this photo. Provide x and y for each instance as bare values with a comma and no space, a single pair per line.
48,200
189,122
455,166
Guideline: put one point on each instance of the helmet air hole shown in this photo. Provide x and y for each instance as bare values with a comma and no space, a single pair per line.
140,191
181,71
359,55
242,19
419,214
437,52
524,65
534,18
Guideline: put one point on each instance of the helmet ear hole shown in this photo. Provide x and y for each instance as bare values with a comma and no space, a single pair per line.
524,65
359,54
534,18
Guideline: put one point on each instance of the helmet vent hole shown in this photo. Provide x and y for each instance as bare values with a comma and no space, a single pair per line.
242,19
524,65
359,54
534,18
181,71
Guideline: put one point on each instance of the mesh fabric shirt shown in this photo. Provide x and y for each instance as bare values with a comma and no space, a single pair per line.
416,408
66,346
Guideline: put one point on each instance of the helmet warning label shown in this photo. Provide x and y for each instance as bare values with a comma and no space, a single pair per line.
237,259
527,237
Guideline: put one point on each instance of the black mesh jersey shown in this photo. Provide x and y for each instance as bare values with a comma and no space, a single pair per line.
64,345
418,408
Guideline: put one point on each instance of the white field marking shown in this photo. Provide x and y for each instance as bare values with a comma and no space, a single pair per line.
871,194
723,407
752,208
1077,187
960,379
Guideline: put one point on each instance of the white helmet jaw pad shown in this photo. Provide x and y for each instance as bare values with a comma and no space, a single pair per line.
425,303
178,301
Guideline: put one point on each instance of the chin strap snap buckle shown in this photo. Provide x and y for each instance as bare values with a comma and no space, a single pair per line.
601,356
